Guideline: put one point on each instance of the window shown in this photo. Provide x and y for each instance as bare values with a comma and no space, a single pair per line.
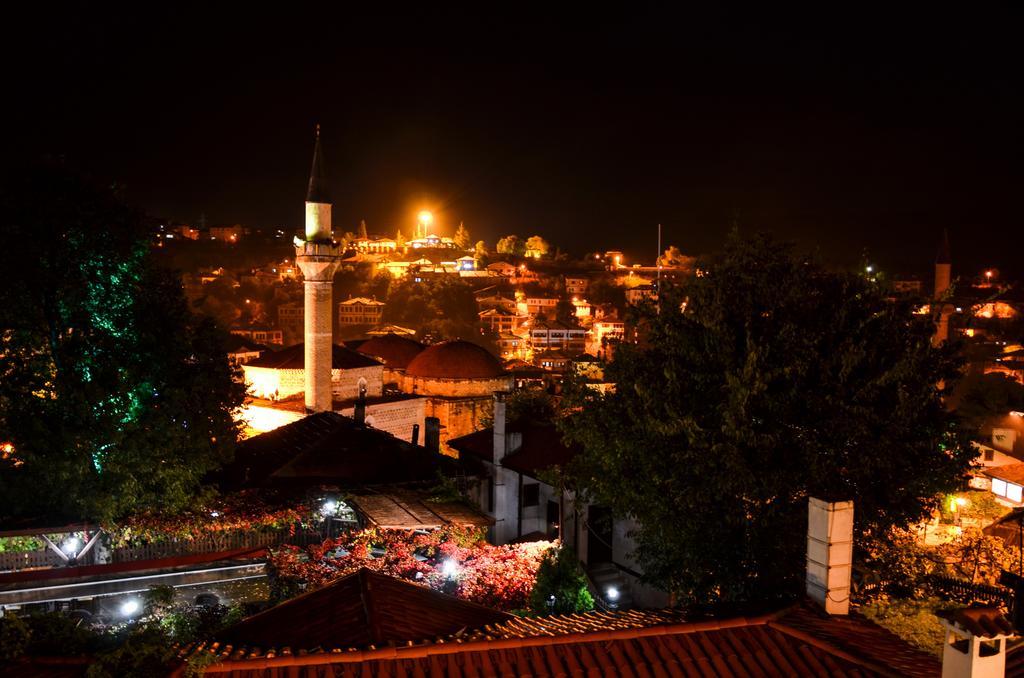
999,487
989,454
1013,492
531,494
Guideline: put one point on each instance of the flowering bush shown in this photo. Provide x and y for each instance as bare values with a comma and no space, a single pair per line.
240,511
454,560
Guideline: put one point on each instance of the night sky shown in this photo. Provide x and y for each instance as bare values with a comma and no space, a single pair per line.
840,132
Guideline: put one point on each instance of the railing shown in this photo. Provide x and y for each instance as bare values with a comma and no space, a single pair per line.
947,588
224,541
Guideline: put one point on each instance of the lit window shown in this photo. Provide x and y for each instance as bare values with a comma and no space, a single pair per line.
999,487
1013,492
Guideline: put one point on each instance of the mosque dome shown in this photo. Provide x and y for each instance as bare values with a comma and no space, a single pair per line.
455,360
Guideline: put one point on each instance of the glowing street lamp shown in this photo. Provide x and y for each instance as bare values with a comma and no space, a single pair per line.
449,569
130,607
426,218
71,545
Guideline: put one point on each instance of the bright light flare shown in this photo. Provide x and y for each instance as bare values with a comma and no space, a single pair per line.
130,607
449,568
613,593
426,217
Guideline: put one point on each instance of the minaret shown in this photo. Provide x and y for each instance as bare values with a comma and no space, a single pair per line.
318,256
943,278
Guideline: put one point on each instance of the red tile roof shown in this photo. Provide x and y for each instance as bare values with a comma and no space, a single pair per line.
360,610
393,350
1013,473
983,622
542,447
593,644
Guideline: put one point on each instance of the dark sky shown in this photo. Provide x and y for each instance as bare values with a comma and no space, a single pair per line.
840,132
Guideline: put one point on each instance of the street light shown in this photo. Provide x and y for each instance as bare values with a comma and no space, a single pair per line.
129,607
449,568
426,218
71,546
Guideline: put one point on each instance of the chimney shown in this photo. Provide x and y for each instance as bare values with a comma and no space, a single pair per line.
432,434
415,434
975,642
499,426
360,413
830,554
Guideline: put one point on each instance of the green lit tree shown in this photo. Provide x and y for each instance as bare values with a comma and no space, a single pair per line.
113,394
561,585
763,382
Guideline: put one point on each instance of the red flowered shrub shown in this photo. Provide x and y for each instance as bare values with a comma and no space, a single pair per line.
496,576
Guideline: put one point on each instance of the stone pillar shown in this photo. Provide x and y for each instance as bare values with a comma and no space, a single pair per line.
318,262
830,554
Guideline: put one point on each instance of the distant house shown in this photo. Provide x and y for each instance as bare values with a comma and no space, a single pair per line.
547,336
360,311
635,295
575,285
260,335
502,268
498,320
226,233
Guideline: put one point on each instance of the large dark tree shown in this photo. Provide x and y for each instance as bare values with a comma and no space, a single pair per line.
113,394
762,382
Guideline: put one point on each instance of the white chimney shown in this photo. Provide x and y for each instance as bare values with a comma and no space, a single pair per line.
830,554
975,643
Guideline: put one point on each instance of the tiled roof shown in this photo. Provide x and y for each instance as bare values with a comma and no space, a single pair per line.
362,609
393,350
983,622
632,643
294,358
398,509
861,637
328,447
1013,473
542,447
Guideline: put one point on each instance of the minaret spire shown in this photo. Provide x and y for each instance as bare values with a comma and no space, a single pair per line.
317,180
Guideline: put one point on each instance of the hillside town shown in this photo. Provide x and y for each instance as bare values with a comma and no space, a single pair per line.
432,442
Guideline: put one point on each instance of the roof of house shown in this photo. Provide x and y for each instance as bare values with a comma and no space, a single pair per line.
294,358
405,509
393,350
542,447
983,622
362,609
361,300
455,359
629,643
328,447
1013,473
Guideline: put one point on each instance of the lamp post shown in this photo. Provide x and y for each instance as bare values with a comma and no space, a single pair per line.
426,218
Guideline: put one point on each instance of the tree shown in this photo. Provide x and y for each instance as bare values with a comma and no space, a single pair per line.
444,307
987,397
480,252
511,244
561,585
775,381
399,239
536,246
462,239
673,258
362,229
113,394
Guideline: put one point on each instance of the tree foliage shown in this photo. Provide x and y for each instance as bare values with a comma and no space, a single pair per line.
462,239
537,246
561,586
511,244
441,306
778,382
113,394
